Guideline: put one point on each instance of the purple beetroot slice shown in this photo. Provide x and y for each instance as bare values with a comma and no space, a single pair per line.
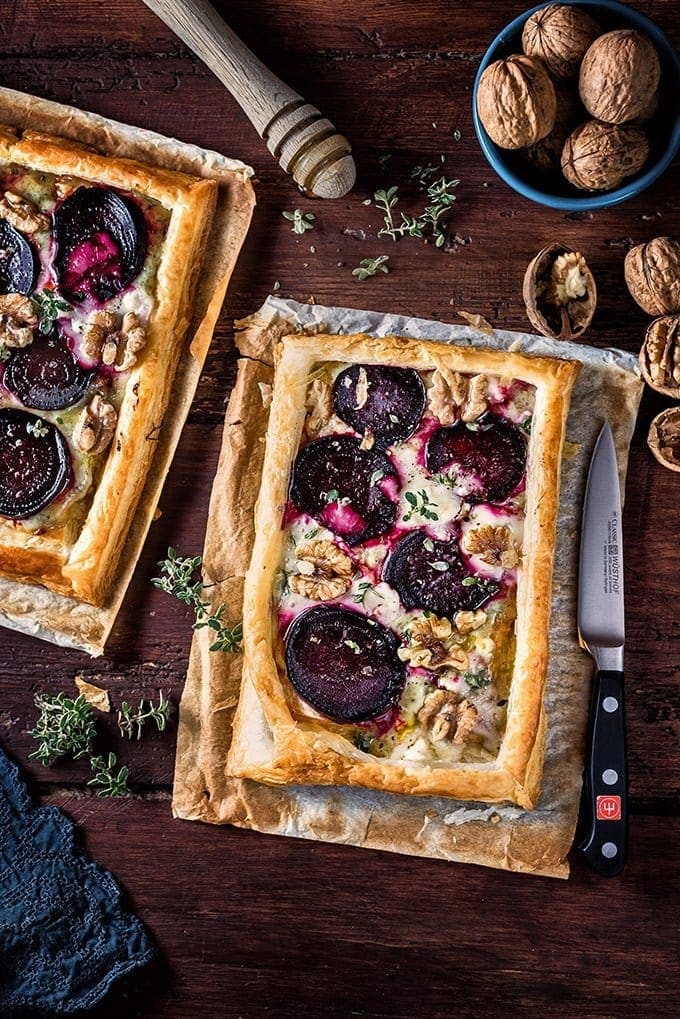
100,244
35,465
45,375
344,664
18,261
494,451
341,485
428,574
391,406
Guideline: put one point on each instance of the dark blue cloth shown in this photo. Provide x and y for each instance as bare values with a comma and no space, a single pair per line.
64,938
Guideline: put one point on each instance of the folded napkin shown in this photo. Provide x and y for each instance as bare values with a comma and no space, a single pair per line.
64,938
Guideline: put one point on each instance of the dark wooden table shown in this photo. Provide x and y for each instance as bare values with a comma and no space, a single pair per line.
251,925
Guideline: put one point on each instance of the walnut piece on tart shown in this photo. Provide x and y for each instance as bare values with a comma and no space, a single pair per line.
447,717
17,320
22,214
96,426
452,396
433,644
319,406
493,544
114,344
324,571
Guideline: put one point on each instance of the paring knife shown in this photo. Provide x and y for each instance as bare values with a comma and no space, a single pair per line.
601,633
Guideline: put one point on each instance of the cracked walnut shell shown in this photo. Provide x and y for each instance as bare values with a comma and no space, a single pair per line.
619,76
599,157
660,355
559,35
664,438
652,272
324,571
559,292
516,102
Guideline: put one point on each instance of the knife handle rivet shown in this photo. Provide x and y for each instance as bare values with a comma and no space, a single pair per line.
610,704
610,777
609,850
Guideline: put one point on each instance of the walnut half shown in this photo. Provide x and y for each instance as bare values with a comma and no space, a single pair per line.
493,544
660,355
448,718
452,396
95,426
325,571
664,438
17,320
112,344
22,214
433,645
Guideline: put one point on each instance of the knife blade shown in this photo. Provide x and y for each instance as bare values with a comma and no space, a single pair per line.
602,633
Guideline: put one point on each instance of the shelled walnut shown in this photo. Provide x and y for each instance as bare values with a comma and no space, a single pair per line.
559,292
319,406
516,101
664,438
324,571
95,426
447,717
599,157
452,396
619,76
17,320
652,272
433,644
559,35
493,544
660,355
22,214
114,345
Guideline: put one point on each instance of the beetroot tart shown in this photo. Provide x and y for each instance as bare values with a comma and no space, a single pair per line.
397,604
98,258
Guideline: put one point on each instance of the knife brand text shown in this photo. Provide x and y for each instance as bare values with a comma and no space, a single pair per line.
612,569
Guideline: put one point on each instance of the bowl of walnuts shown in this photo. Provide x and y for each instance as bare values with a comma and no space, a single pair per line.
576,106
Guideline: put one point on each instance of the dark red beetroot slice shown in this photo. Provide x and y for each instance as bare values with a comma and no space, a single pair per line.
393,406
100,244
345,487
34,463
343,664
494,451
45,375
18,261
429,574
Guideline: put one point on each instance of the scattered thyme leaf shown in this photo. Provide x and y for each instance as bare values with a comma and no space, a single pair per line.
37,428
489,587
4,352
177,579
48,306
477,680
439,565
383,160
422,505
362,590
371,266
65,728
526,424
302,221
132,722
105,780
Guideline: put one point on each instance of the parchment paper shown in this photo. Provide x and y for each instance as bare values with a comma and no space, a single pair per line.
31,608
502,836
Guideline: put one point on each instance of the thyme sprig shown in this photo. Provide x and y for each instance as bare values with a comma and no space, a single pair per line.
105,780
421,504
48,306
440,198
132,722
302,221
177,579
65,728
371,266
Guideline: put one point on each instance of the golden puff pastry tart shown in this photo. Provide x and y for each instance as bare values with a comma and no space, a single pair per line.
98,259
397,603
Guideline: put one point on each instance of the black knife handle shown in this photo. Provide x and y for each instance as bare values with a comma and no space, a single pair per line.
605,842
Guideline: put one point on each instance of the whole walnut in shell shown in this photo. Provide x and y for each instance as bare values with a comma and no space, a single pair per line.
559,292
619,76
516,102
660,355
599,157
664,438
547,152
652,272
559,35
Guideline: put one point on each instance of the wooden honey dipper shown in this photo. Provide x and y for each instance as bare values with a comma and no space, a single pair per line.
306,145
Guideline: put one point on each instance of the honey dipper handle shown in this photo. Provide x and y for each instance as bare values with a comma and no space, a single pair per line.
305,143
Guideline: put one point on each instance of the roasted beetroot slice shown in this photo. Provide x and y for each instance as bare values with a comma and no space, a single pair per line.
18,261
429,574
494,452
344,487
35,465
392,401
45,375
100,244
343,664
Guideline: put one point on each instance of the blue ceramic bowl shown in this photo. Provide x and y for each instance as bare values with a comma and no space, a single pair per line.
663,130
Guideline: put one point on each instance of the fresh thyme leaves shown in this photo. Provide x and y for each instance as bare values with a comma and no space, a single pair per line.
440,198
48,306
421,174
302,221
312,533
131,722
477,680
105,780
386,200
370,266
362,590
332,495
526,425
445,479
4,352
362,741
439,565
65,727
383,160
177,579
489,587
421,504
37,428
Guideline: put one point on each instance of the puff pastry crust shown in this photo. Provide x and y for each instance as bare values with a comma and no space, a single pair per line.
308,748
77,552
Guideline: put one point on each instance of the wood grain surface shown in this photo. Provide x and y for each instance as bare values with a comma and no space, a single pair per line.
250,925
